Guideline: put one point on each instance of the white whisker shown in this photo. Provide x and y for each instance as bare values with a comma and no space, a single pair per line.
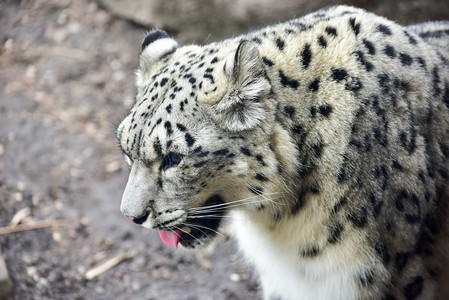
209,216
232,202
236,203
178,228
199,227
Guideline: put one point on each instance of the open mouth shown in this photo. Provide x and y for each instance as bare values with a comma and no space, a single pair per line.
201,225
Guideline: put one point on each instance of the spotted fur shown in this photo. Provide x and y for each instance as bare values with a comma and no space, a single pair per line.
327,137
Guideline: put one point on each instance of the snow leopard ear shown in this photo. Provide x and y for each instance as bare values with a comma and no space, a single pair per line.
155,46
242,107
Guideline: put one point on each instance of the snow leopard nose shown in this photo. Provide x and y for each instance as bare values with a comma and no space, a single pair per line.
138,220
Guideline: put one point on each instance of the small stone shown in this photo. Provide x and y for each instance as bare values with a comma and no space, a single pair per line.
30,259
234,277
42,282
62,19
187,278
8,47
74,27
81,269
30,74
77,162
76,173
18,196
11,136
108,242
161,273
135,286
126,280
99,290
118,75
205,264
19,216
21,186
115,64
52,276
90,129
32,272
166,273
113,166
138,264
73,234
59,205
57,237
102,18
84,221
100,255
8,44
36,199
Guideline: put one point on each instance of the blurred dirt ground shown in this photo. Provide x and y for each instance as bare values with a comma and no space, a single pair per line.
66,80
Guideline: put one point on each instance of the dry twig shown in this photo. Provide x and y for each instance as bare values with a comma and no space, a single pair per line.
35,225
103,267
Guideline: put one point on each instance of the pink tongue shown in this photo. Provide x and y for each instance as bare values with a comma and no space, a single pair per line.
170,238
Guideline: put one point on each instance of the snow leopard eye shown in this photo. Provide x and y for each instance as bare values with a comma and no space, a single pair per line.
171,160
